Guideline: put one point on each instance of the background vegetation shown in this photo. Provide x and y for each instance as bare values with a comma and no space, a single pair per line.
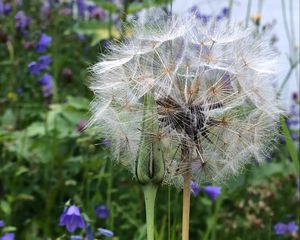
46,159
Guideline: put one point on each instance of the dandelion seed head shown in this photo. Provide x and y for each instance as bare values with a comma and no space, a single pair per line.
212,94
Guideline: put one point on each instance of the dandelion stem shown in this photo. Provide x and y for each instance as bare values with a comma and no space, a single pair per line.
150,191
186,195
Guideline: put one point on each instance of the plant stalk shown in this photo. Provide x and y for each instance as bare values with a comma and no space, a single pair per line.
186,195
150,191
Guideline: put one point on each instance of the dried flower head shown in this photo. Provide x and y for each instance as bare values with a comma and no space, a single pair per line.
200,94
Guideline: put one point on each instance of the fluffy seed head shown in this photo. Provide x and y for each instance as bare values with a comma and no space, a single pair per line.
212,92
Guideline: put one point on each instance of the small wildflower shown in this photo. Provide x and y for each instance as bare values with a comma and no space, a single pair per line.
102,211
195,189
292,227
44,61
34,68
81,6
106,232
22,21
72,219
212,191
8,236
46,82
280,228
43,43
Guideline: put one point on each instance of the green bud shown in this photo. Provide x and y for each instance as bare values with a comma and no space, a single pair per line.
149,165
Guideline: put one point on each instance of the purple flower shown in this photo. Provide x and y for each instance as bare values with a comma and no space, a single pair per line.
47,85
76,237
22,21
212,191
292,227
96,12
7,8
102,211
46,79
105,232
294,136
81,7
44,61
195,189
43,43
2,223
225,11
34,68
8,236
71,218
280,228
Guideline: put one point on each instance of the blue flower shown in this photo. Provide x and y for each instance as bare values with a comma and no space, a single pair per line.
43,43
8,236
7,8
106,232
292,227
212,191
280,228
44,61
102,211
81,7
22,21
47,84
34,68
195,189
46,79
71,218
2,223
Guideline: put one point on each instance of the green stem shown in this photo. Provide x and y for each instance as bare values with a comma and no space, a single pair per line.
150,191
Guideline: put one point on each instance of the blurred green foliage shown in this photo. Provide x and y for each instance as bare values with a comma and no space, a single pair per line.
46,159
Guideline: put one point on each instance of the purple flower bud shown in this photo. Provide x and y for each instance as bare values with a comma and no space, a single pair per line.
292,227
43,43
294,136
8,236
295,96
97,13
212,191
2,223
105,232
71,218
195,189
22,21
225,12
102,211
81,125
280,228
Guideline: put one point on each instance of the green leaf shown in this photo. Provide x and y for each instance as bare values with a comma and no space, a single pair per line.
135,7
5,207
78,102
111,7
36,129
290,145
